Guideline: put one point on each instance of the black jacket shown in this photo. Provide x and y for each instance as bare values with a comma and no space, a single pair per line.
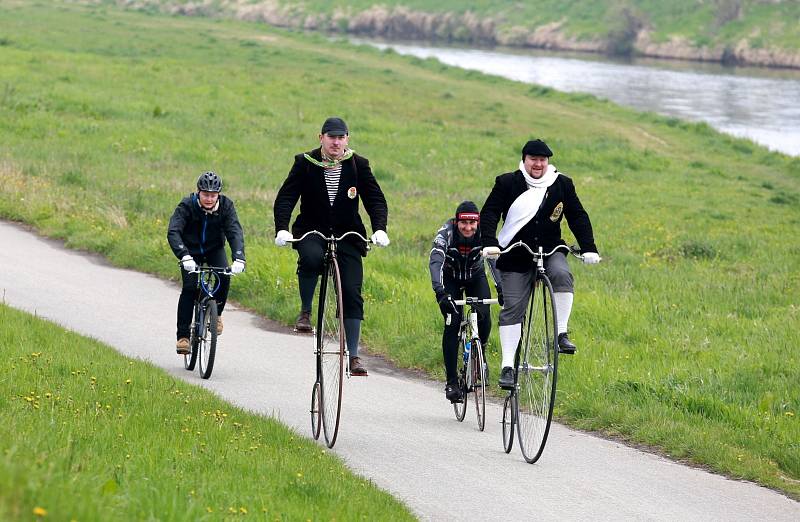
544,229
306,182
194,232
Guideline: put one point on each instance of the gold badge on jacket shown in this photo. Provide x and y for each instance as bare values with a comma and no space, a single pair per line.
557,212
352,193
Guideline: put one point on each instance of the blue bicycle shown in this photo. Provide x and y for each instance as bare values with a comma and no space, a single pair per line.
203,337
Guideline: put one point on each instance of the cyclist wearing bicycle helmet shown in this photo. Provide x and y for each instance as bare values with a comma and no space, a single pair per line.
456,267
198,228
329,182
532,201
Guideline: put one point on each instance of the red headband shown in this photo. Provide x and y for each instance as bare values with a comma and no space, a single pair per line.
468,216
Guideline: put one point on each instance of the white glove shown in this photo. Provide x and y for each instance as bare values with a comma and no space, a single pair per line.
380,238
188,263
237,267
491,252
283,237
591,258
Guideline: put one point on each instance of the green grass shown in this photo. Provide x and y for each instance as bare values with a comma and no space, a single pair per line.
686,332
698,22
88,434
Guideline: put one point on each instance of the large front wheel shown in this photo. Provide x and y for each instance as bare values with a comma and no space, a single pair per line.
207,346
330,350
537,371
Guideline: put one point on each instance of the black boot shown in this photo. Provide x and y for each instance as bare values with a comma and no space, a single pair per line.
506,378
565,346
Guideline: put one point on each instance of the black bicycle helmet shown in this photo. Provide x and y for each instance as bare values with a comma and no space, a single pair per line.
209,182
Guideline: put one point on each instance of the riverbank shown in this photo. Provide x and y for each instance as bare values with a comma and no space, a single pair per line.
632,35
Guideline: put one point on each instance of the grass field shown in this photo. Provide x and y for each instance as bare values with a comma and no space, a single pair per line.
699,23
87,434
686,332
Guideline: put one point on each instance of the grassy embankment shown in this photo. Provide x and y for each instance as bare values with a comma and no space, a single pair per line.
693,23
686,332
87,434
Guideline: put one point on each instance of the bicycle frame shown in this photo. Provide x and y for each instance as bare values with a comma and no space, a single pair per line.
468,329
209,280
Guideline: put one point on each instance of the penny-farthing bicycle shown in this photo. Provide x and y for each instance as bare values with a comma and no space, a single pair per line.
528,408
330,349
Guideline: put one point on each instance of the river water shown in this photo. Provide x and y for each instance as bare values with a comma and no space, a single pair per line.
759,104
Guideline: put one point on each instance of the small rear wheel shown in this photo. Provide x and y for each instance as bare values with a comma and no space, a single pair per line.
476,364
316,415
208,340
508,422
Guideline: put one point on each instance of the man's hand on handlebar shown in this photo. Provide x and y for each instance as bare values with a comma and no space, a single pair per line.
283,237
491,252
591,258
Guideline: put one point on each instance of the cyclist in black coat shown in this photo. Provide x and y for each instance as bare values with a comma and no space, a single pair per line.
456,267
533,201
329,182
197,231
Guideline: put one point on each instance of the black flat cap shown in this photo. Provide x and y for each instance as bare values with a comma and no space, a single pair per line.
334,127
536,148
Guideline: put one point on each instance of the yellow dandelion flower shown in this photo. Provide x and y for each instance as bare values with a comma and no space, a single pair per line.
39,511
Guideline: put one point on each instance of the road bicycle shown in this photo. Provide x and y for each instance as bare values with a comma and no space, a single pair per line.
330,349
472,375
528,407
203,335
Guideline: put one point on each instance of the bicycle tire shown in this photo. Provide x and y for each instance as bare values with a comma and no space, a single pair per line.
460,408
316,419
208,340
508,422
190,359
330,350
537,372
478,382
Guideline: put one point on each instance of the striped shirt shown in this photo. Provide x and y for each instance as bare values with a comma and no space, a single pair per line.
332,175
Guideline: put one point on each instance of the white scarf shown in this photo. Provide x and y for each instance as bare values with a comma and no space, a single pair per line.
527,204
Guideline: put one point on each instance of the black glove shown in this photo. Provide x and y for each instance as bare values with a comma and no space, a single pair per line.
447,305
499,295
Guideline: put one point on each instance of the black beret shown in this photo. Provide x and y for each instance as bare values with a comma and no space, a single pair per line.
536,148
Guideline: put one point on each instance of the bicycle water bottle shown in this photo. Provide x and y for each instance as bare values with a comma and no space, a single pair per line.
467,346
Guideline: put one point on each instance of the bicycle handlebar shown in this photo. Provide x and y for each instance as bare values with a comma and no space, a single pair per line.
224,270
330,238
571,249
474,301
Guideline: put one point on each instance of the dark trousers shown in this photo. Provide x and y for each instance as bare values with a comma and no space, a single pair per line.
476,287
189,289
309,266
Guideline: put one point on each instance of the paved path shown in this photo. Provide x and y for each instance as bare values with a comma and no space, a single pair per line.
397,430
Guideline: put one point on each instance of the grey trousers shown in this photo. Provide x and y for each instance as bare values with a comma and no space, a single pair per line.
517,287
